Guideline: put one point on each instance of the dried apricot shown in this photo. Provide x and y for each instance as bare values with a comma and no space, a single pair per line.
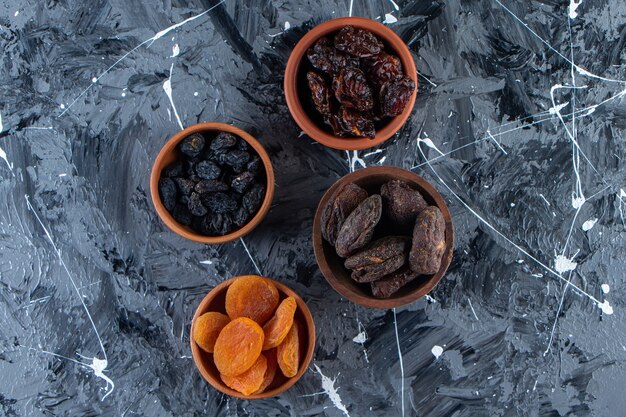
288,352
207,327
238,346
270,372
277,328
249,381
253,297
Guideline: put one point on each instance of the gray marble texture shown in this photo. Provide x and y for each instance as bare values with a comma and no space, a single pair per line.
519,122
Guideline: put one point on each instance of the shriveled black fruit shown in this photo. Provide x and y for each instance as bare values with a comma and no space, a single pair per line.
185,186
210,186
253,198
192,145
167,191
223,141
182,215
254,165
208,170
195,205
216,225
241,217
173,170
242,182
219,202
236,159
243,145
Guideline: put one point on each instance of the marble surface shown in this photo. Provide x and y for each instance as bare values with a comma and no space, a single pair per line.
519,122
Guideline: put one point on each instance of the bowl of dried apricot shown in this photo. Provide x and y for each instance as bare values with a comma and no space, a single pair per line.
383,237
252,337
212,183
350,83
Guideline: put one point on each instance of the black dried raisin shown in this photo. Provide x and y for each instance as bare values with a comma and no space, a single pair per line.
219,202
167,191
192,145
240,183
208,170
195,205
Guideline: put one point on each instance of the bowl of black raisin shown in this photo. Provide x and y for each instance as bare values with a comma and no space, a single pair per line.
212,183
350,83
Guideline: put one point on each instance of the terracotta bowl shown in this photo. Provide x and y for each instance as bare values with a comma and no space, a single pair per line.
331,265
214,301
169,153
294,84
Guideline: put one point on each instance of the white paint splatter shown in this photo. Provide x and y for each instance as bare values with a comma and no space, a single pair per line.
437,351
195,94
16,13
354,159
544,199
3,156
605,288
207,262
496,142
606,307
573,5
588,225
557,108
563,264
123,94
258,270
62,106
395,6
395,326
1,125
167,86
389,18
62,175
426,78
360,338
175,51
430,144
350,11
472,307
287,25
94,80
328,385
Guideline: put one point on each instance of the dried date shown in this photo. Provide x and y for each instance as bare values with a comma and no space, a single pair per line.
358,42
390,284
352,89
379,258
428,241
321,94
401,205
358,229
348,122
395,95
339,206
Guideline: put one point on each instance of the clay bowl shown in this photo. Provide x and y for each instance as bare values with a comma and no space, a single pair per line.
296,89
169,153
331,265
214,301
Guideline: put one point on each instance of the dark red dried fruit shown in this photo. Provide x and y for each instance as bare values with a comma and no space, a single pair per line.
390,284
242,182
342,60
195,205
253,198
358,42
395,95
219,202
401,205
382,68
320,92
379,258
320,55
352,89
339,206
208,170
184,185
349,122
223,141
168,193
428,241
358,229
210,186
173,170
192,145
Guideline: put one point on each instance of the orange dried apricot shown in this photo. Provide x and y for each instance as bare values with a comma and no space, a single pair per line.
288,352
207,327
238,346
253,297
277,328
249,381
270,372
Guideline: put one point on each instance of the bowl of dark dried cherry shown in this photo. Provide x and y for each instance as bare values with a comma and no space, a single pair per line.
212,183
350,83
383,237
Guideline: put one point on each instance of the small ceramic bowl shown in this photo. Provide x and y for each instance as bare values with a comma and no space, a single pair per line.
331,265
294,84
214,301
169,153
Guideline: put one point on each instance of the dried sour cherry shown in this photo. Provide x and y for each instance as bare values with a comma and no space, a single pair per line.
382,68
348,122
321,94
352,89
358,42
395,95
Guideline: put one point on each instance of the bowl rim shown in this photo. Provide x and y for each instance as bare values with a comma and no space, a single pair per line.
358,297
158,166
296,108
219,385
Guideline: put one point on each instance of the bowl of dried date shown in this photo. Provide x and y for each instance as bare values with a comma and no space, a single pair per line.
350,83
383,237
212,183
252,337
